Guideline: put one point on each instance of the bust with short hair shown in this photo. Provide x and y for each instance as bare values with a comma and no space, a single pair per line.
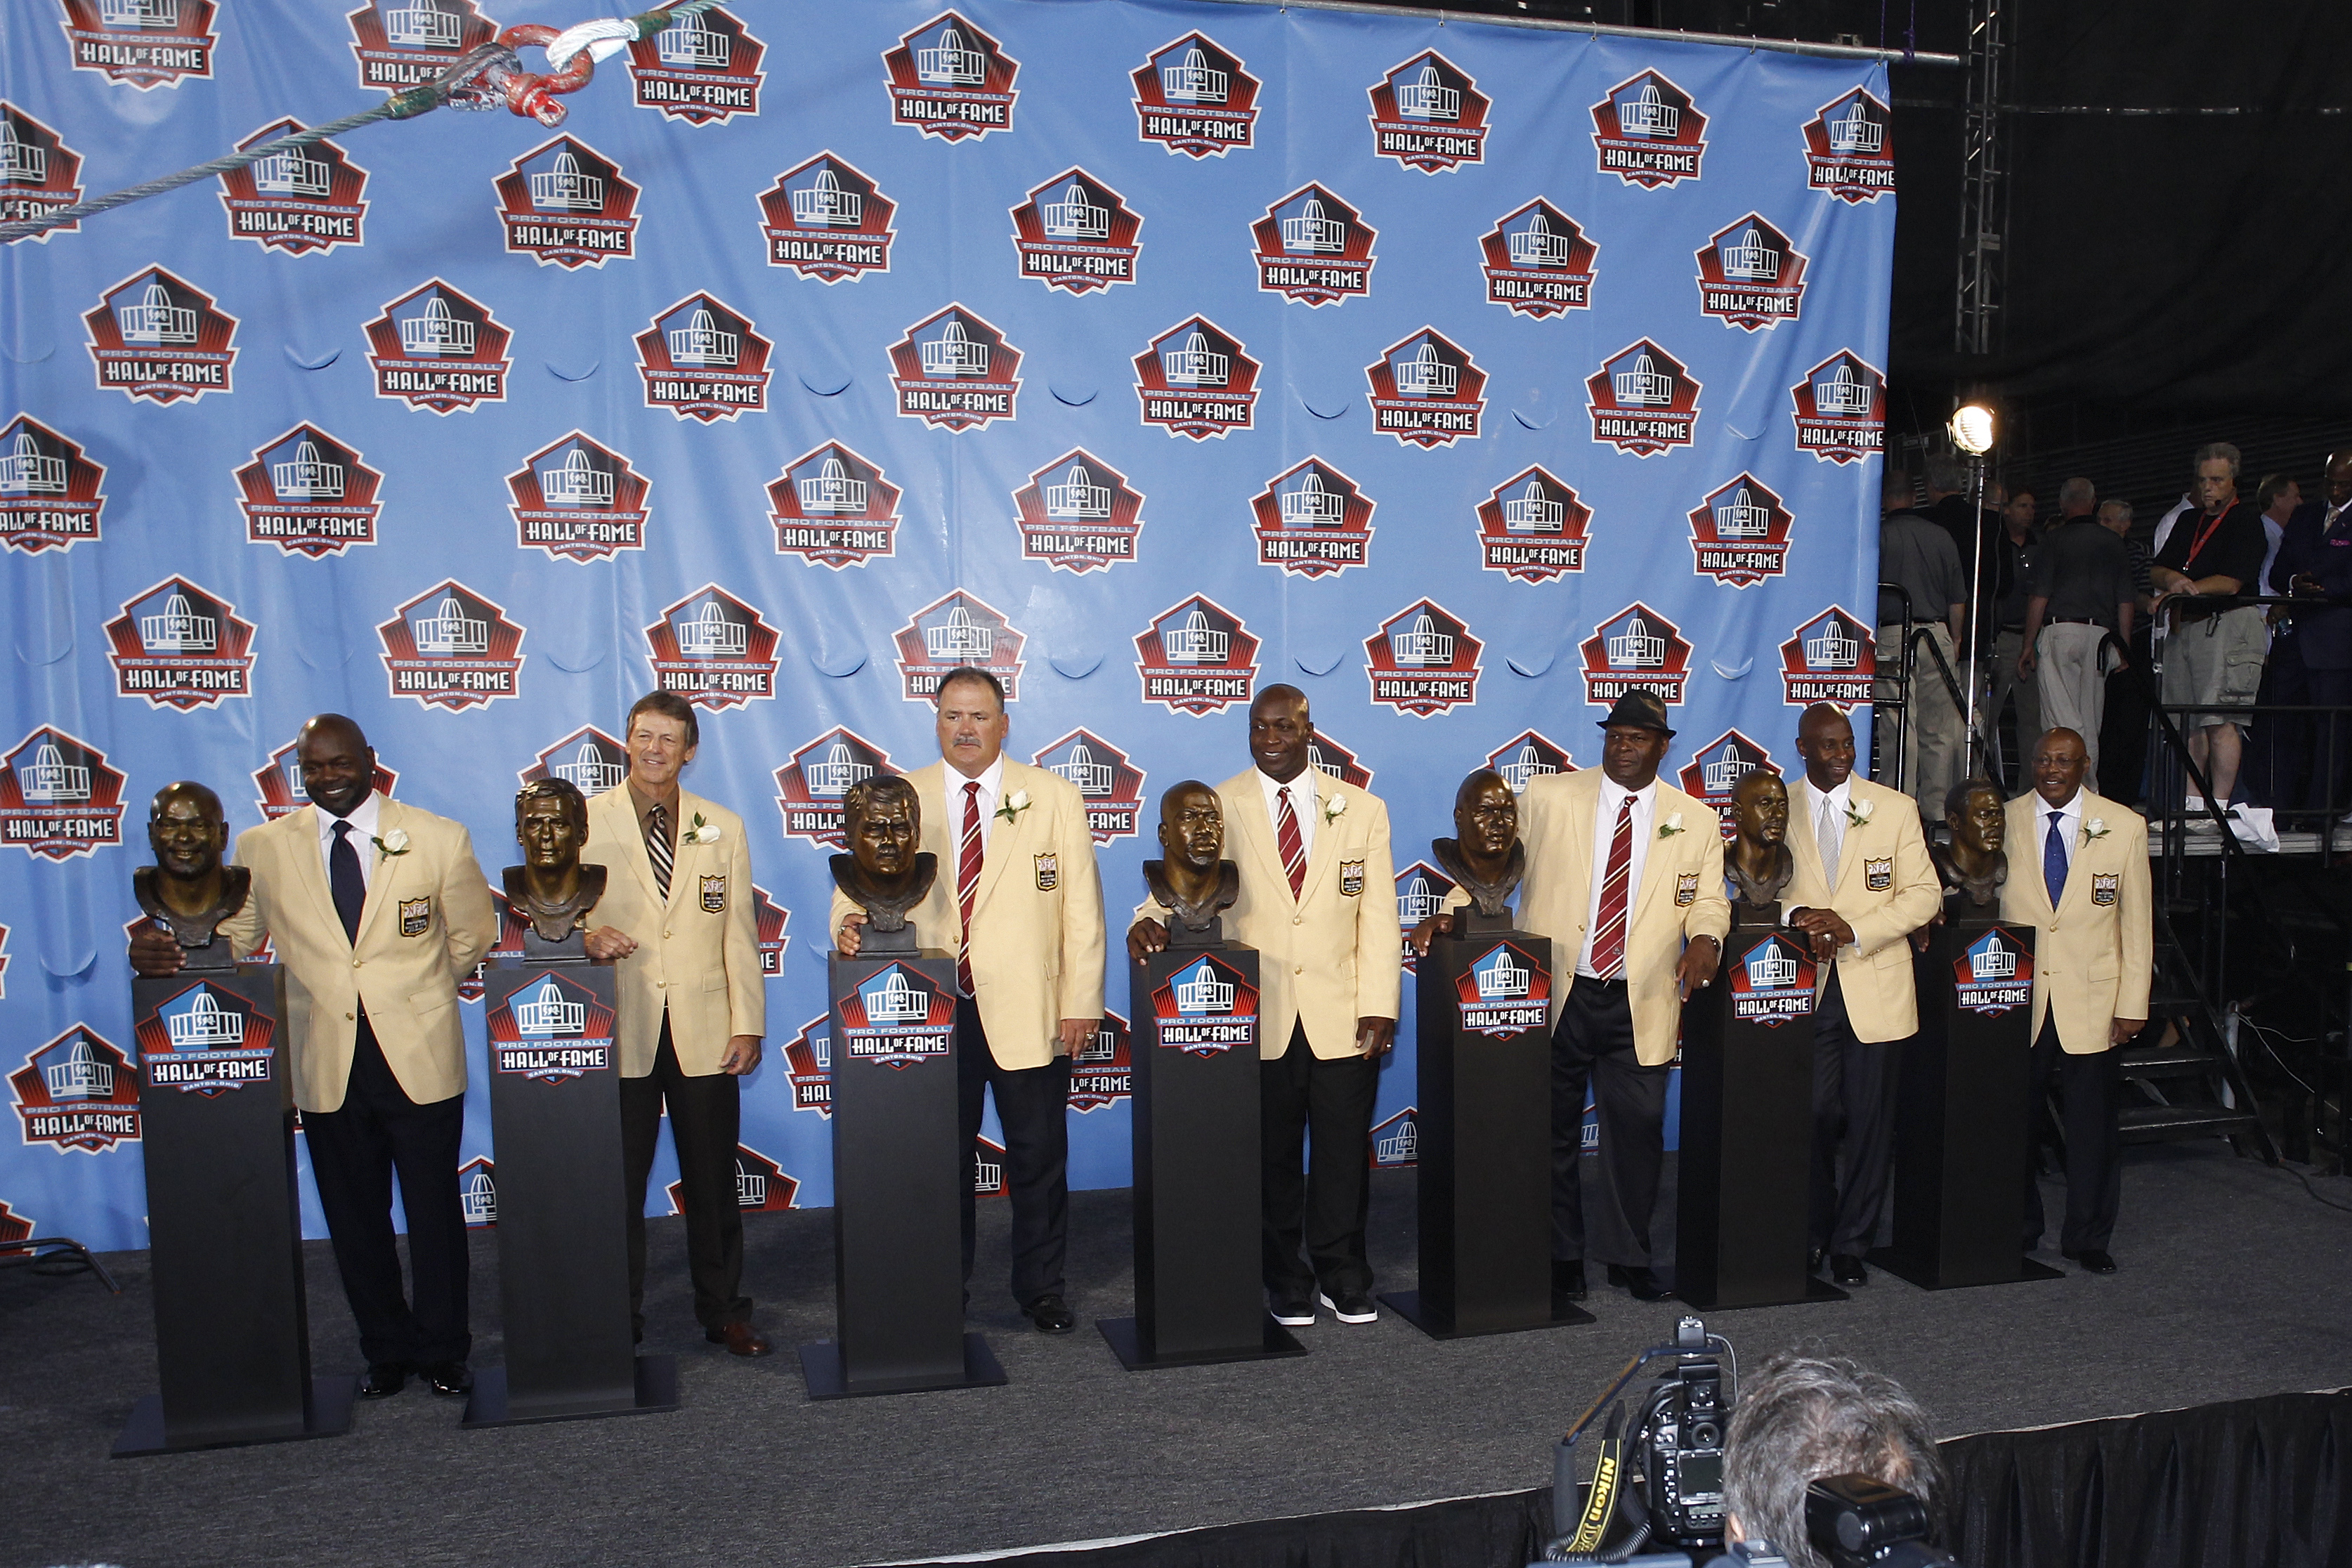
188,891
1974,866
882,873
1194,881
552,889
1759,863
1484,858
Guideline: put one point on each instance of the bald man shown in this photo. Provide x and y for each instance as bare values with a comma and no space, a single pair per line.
377,910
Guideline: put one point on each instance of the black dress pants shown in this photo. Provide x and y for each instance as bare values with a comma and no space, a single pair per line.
1854,1084
2091,1089
1032,1107
706,1115
353,1154
1592,1046
1325,1105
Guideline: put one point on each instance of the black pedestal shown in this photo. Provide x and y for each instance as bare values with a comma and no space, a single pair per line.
1748,1129
1484,1113
1963,1128
224,1230
899,1167
563,1263
1198,1203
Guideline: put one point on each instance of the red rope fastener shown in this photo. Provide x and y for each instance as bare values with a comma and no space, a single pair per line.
533,96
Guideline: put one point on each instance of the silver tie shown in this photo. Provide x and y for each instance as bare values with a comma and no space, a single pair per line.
1829,831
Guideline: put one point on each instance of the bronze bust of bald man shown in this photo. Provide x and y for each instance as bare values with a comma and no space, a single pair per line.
1975,865
882,873
1195,880
188,891
1759,863
551,890
1484,858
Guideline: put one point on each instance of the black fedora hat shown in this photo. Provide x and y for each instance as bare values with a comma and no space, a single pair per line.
1640,711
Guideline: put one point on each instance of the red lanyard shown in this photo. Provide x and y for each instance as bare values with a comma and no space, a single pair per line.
2204,534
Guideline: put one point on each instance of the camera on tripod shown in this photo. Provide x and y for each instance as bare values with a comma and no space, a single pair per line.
1660,1474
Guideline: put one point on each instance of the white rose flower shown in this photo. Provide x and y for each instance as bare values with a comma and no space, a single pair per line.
393,843
1334,807
701,832
1671,825
1014,805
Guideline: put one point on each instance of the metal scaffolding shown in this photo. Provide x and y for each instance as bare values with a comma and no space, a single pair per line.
1981,287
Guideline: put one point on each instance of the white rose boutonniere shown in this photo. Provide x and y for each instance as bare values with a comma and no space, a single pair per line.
701,832
1334,807
1671,825
393,843
1014,805
2096,828
1857,811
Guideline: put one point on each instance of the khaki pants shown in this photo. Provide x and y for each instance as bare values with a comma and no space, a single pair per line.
2006,683
2070,670
1934,738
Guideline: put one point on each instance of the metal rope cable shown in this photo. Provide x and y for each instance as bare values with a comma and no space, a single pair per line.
467,82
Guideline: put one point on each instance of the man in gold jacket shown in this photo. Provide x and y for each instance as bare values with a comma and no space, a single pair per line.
676,919
1625,875
1019,902
2078,870
377,910
1318,900
1863,884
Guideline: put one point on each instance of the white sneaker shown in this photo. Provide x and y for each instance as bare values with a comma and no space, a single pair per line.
1297,1314
1359,1309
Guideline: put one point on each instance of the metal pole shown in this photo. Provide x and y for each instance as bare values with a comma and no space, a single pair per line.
1976,602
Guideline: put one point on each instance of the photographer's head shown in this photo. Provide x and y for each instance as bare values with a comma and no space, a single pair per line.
1801,1418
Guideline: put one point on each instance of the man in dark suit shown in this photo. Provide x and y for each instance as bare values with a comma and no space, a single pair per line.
2314,562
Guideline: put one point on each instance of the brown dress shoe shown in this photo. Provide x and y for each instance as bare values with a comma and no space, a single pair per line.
740,1337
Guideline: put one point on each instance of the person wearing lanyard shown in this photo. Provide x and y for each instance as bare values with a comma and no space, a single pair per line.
2213,658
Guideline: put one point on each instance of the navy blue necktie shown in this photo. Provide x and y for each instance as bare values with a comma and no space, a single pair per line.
350,887
2053,859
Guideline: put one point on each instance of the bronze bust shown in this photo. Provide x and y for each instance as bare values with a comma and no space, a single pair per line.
882,873
1759,863
1975,866
551,890
188,891
1484,858
1195,880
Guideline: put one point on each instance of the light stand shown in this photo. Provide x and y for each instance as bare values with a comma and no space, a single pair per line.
1972,431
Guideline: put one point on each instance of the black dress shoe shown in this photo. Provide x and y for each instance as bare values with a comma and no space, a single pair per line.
449,1378
1051,1314
1815,1259
382,1380
1643,1284
1568,1278
2093,1261
1845,1269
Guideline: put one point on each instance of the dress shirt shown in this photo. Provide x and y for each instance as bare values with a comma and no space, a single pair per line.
991,787
2164,525
1302,801
643,804
1604,828
1840,800
363,819
1921,559
2070,828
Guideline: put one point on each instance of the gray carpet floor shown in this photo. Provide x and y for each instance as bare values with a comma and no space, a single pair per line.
2232,1284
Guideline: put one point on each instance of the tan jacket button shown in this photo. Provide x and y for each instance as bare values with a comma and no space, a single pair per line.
1298,919
348,1016
660,984
357,962
1299,970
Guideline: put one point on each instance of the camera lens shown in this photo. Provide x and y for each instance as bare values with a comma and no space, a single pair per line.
1704,1436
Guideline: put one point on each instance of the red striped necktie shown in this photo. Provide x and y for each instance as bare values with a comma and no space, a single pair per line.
967,879
1609,943
1293,849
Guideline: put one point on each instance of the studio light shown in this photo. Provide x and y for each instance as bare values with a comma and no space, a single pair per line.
1972,430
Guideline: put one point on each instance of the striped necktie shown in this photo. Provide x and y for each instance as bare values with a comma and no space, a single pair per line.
1608,941
967,879
657,847
1293,849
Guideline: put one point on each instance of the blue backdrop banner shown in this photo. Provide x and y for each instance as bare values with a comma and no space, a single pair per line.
1147,353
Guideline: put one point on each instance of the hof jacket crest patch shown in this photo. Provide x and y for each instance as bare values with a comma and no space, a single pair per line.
2103,885
1351,878
1878,875
415,916
1685,889
714,895
1049,871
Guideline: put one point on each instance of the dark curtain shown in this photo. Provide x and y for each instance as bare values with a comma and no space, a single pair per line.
2158,262
2256,1483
